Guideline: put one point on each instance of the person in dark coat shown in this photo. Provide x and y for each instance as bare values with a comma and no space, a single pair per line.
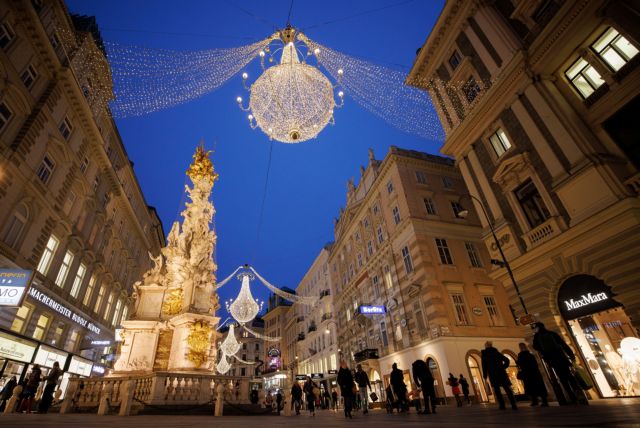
531,377
7,391
296,396
396,379
424,380
362,379
494,367
308,388
30,389
49,388
345,381
558,356
465,388
279,401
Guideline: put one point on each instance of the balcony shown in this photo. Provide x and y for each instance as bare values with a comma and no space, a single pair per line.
366,354
543,233
312,327
301,337
324,293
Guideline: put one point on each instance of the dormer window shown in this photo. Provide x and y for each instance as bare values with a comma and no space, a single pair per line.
454,60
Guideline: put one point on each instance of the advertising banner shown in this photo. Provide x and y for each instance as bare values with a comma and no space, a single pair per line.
14,284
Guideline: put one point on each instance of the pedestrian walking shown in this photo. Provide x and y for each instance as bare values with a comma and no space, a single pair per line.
346,383
309,390
296,396
7,391
396,378
424,380
334,398
31,386
558,356
465,388
455,388
51,382
362,379
494,367
529,374
278,401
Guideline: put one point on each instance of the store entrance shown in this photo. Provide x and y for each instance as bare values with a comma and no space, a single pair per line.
604,335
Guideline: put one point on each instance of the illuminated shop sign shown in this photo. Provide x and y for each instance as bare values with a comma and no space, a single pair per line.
13,286
61,309
46,356
15,348
585,300
373,310
583,295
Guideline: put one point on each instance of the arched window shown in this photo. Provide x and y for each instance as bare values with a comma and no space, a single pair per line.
16,225
512,371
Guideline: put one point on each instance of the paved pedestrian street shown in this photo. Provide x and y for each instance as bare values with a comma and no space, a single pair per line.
603,413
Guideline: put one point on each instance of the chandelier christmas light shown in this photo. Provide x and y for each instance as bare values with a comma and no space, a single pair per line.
230,345
244,308
291,101
223,365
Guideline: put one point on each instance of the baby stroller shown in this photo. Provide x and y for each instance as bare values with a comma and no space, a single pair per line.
390,403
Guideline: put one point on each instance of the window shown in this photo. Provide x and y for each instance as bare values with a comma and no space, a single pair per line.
499,142
359,256
614,49
376,286
457,208
474,258
84,164
65,128
365,222
107,309
96,184
454,60
125,312
73,341
531,202
68,203
460,309
383,334
78,280
6,35
471,89
5,115
406,257
21,318
430,206
89,292
421,177
387,278
116,313
243,371
16,225
380,235
59,332
420,324
41,327
64,269
356,236
492,309
447,182
45,169
370,248
55,41
351,271
396,215
99,299
28,76
47,255
584,78
376,210
443,251
390,187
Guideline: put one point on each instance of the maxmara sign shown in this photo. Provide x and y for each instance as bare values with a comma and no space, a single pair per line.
61,309
585,300
583,295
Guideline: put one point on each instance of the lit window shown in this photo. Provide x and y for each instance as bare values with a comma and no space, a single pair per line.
406,257
101,293
65,128
454,60
614,49
41,327
78,280
443,251
57,335
20,318
47,255
46,169
125,312
390,187
16,225
6,35
107,309
460,308
387,278
396,215
457,208
28,76
471,89
492,309
430,206
380,235
64,269
89,292
474,258
5,115
421,177
500,142
73,341
532,204
584,77
116,312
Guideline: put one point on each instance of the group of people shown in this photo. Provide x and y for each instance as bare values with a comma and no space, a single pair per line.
30,387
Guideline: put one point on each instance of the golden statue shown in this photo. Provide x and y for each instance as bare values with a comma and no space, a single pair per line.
199,342
172,304
202,168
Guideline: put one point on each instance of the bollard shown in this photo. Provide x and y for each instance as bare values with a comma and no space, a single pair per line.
219,400
10,407
126,397
287,401
70,395
103,408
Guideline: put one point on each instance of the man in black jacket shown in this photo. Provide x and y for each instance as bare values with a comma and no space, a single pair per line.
424,380
362,379
494,366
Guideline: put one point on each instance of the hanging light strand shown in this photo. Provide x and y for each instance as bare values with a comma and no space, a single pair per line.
307,300
261,336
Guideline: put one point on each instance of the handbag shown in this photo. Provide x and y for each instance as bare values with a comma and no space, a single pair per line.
584,382
373,396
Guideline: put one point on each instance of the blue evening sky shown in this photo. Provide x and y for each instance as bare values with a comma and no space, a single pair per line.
307,183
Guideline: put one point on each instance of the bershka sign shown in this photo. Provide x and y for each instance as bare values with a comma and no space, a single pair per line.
585,300
61,309
373,310
583,295
13,286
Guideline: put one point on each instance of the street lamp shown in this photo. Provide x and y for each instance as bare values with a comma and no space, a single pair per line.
464,214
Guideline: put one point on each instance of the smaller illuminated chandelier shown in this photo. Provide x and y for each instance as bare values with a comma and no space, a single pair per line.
291,101
230,345
244,308
223,365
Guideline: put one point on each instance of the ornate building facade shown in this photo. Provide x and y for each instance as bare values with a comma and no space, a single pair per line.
72,209
538,100
411,274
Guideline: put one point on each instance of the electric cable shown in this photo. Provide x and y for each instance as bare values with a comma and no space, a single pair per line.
264,198
356,15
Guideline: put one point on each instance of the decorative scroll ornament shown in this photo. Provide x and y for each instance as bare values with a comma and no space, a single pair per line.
223,365
244,308
199,342
172,304
230,345
262,336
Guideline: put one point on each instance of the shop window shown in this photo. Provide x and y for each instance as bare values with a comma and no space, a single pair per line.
584,78
406,258
492,310
6,35
454,60
21,318
78,280
47,255
430,206
614,49
460,309
5,115
64,269
499,142
45,170
16,226
532,204
28,76
512,372
472,252
471,89
421,177
443,251
396,215
41,327
482,390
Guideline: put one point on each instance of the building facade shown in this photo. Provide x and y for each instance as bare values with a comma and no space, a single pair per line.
538,100
411,275
276,358
72,209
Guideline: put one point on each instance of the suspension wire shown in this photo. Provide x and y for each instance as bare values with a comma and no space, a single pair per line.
253,15
167,33
356,15
289,16
264,198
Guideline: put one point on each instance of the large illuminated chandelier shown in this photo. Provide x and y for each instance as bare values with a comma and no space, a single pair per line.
294,100
244,308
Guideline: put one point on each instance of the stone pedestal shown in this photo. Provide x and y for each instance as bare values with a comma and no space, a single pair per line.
182,327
